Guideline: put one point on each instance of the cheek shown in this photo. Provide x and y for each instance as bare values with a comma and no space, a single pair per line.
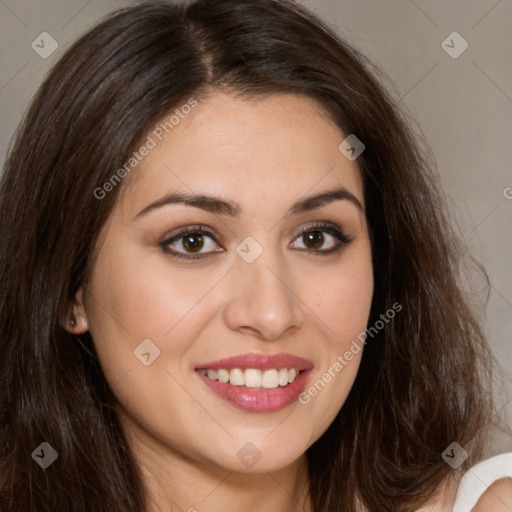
144,295
342,306
344,300
130,301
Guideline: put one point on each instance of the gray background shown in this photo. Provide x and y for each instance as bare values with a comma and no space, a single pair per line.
463,107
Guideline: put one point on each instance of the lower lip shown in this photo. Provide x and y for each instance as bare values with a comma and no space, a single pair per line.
262,400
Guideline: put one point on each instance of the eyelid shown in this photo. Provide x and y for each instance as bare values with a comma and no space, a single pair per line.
323,226
194,228
182,232
330,228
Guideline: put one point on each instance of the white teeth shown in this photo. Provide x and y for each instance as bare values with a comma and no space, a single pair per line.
253,378
270,379
223,376
236,377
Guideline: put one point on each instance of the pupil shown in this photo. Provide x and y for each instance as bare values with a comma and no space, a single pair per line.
194,242
315,238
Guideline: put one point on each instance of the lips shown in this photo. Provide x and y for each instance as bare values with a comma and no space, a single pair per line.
259,362
255,382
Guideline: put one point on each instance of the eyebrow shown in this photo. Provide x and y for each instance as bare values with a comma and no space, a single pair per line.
223,207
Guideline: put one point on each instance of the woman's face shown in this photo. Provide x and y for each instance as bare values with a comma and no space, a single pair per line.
256,292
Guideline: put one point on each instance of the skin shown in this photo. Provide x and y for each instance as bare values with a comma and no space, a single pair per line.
265,154
497,498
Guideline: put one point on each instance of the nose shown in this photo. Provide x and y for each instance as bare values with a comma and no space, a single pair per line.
261,300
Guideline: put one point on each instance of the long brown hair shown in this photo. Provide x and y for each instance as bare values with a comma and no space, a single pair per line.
424,380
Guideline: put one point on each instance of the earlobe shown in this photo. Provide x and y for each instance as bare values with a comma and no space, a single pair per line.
76,321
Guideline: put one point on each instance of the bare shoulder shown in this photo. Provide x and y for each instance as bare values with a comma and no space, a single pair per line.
497,497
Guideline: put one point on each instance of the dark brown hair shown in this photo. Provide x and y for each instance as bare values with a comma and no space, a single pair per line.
424,380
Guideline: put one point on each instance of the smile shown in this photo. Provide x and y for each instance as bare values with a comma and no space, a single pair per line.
253,378
257,383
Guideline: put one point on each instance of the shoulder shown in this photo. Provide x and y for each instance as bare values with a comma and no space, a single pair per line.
486,486
497,497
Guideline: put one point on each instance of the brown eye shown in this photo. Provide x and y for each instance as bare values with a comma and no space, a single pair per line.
322,239
313,239
193,242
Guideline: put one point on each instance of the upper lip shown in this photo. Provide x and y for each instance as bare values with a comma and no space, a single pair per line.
259,362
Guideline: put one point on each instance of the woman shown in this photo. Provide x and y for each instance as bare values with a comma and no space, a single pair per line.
228,280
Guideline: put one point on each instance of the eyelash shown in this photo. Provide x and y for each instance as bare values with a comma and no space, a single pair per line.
324,227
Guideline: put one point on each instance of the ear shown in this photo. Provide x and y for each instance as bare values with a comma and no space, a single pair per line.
76,321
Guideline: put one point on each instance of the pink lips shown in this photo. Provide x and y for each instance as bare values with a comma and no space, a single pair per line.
259,362
258,400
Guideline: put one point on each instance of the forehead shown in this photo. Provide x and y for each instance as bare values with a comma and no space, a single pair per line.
268,148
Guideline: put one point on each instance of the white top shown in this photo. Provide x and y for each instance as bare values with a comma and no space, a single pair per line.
476,481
